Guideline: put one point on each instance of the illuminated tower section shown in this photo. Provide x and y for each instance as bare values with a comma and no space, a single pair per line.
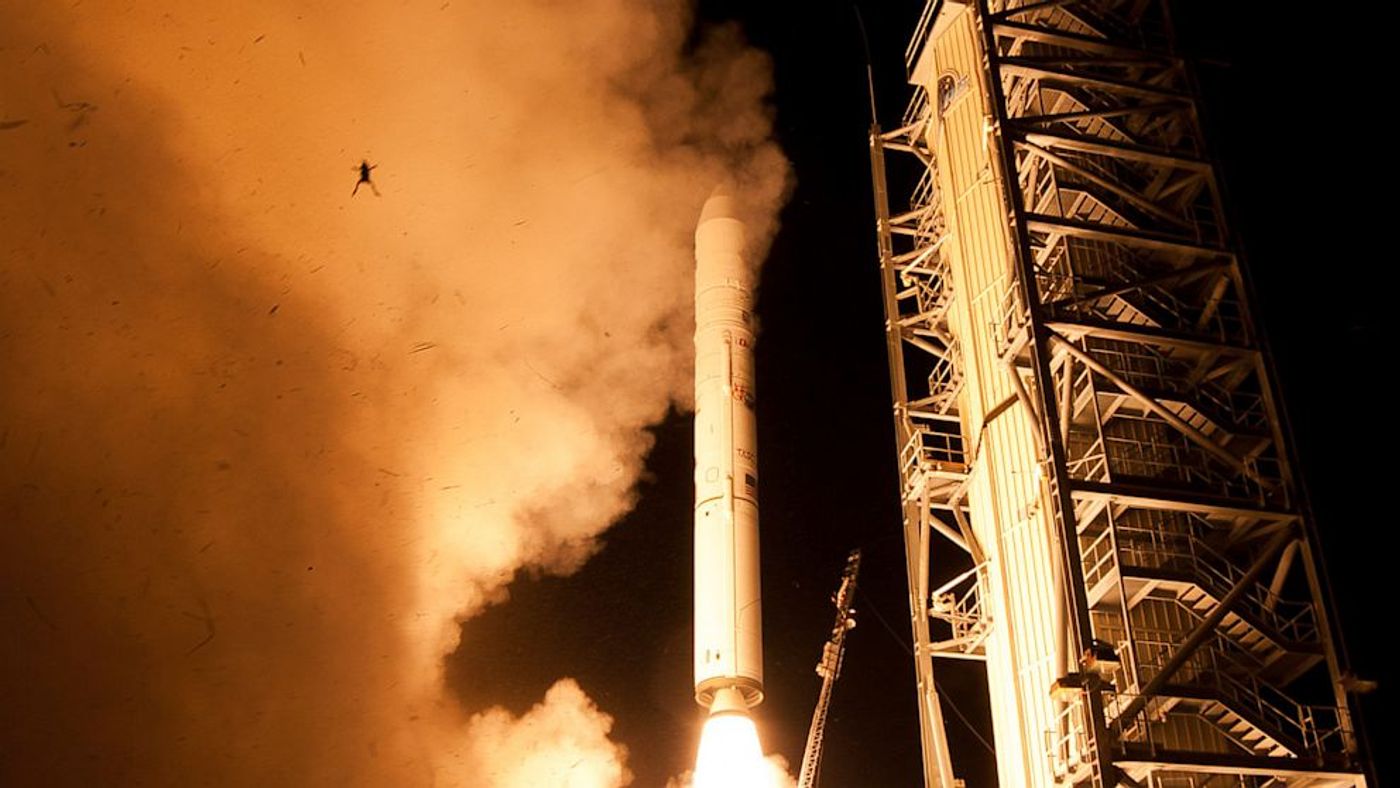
1085,414
1006,490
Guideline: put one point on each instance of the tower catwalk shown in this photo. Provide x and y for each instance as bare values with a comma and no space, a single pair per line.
1085,412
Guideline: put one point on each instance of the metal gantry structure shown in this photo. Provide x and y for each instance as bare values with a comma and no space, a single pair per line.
829,668
1086,415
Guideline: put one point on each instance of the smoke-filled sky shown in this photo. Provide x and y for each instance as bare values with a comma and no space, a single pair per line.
263,444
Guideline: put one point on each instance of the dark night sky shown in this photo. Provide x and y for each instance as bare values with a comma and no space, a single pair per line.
1292,161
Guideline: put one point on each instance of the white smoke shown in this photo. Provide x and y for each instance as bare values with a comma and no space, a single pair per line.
262,443
561,741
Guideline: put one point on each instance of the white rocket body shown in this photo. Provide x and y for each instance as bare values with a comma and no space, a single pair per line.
728,608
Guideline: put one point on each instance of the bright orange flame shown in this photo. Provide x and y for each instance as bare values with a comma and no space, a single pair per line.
730,756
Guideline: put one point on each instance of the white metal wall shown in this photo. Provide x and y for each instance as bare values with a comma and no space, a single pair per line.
1006,494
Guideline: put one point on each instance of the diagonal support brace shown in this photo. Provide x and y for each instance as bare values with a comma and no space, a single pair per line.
1193,434
1206,629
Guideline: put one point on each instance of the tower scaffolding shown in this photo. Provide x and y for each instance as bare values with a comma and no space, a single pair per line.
1085,412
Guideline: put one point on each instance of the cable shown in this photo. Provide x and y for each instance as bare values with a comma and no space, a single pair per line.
869,67
870,604
897,637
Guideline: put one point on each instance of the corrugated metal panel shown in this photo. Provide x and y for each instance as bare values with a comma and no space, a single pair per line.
1190,732
1006,492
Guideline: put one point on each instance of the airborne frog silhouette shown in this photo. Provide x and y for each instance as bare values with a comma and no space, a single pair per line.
364,169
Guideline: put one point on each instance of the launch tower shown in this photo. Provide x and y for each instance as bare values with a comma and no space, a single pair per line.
1086,414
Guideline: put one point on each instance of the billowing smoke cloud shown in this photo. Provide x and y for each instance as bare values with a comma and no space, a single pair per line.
561,741
263,443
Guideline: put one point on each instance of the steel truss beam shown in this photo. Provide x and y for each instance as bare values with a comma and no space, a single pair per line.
931,462
1131,344
1116,216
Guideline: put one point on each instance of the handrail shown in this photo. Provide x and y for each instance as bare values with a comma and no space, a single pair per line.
1292,620
1092,465
961,608
1288,722
921,33
1067,744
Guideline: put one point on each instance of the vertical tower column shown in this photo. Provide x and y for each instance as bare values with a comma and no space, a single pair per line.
1008,495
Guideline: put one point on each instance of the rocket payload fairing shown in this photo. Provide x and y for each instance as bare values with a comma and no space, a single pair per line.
728,610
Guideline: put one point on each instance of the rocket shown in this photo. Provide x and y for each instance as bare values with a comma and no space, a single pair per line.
728,608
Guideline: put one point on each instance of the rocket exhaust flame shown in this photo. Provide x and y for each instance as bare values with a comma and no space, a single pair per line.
730,755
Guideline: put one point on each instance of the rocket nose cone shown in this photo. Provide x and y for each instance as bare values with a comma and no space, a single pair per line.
720,205
719,241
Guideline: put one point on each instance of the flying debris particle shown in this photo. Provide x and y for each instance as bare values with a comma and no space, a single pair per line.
541,376
422,346
274,309
259,38
6,125
586,176
73,106
208,620
302,58
521,222
388,472
80,109
37,612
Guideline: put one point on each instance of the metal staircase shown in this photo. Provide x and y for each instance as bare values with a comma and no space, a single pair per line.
1084,215
1221,685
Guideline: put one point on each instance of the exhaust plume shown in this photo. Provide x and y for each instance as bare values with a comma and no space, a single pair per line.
561,741
263,445
772,772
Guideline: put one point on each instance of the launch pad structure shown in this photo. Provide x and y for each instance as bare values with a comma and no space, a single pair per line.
1086,415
